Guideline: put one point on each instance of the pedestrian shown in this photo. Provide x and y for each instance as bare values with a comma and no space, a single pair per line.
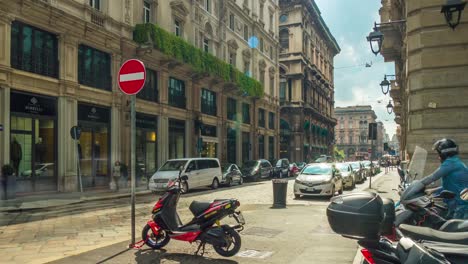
116,172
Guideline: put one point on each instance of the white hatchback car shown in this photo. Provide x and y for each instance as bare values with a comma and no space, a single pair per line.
200,172
318,179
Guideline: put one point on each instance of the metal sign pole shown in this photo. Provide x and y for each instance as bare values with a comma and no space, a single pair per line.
132,163
78,158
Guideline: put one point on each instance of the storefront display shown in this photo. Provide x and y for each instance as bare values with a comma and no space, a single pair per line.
176,139
33,142
146,147
210,141
94,145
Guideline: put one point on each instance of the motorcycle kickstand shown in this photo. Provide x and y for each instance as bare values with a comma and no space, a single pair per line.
202,247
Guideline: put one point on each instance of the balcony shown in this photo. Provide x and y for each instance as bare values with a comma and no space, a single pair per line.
201,62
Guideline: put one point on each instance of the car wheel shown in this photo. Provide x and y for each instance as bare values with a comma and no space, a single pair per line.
229,183
341,190
241,180
215,184
297,196
354,184
333,191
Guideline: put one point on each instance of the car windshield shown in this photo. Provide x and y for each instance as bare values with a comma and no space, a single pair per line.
355,165
173,165
342,166
367,163
250,164
317,170
225,167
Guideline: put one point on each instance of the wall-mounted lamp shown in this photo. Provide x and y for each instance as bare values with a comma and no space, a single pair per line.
452,11
385,84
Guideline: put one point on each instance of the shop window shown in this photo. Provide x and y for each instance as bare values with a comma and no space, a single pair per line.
245,113
34,50
176,139
261,117
208,102
177,93
231,109
150,91
94,68
245,146
231,145
271,120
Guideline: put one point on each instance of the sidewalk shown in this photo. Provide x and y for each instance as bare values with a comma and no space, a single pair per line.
50,200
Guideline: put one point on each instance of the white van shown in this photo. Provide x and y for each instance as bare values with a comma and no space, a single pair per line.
200,172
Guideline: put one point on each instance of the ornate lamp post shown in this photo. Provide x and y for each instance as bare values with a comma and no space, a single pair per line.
389,107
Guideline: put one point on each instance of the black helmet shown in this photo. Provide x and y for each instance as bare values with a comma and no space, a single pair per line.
446,148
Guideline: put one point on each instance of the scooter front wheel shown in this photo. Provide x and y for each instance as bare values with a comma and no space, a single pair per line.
233,246
152,240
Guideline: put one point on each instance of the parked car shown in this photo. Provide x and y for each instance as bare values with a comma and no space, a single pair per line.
281,168
301,165
318,179
324,158
199,171
368,167
347,172
231,174
358,171
293,169
256,169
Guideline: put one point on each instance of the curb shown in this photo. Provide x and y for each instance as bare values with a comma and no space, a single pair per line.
80,201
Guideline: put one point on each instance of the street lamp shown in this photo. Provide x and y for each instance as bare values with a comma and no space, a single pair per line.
385,84
389,107
376,37
451,8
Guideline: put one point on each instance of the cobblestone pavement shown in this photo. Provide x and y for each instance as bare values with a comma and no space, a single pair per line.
47,235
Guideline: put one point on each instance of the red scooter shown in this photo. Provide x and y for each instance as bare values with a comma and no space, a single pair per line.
205,226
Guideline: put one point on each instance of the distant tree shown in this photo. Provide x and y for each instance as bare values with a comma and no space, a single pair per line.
338,154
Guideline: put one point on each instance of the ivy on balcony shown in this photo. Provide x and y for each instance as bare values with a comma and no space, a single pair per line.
201,62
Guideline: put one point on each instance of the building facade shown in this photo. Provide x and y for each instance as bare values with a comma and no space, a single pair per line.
307,51
431,61
352,130
207,93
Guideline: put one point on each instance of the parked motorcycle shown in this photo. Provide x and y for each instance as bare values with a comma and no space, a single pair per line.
205,227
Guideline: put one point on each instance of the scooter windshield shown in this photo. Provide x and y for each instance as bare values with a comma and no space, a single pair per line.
417,164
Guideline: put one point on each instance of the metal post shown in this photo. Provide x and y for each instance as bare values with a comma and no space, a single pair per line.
371,159
132,163
78,158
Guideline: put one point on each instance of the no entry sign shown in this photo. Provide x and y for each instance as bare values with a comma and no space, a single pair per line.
132,76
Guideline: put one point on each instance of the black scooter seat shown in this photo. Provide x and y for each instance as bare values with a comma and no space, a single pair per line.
199,207
455,225
425,233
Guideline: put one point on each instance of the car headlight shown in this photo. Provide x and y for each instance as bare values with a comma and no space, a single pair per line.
298,181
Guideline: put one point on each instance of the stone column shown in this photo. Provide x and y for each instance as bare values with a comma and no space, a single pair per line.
66,146
5,121
163,139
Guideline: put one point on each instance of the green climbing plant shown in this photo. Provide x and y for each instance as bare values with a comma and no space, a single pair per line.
200,61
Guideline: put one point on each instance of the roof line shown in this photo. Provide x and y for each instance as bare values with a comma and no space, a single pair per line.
324,25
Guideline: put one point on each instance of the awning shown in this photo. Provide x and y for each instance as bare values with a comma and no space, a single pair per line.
306,145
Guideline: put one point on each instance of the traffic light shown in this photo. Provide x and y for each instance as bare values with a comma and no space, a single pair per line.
372,131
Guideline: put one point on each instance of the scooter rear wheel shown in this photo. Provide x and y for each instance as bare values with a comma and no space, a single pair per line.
234,243
152,240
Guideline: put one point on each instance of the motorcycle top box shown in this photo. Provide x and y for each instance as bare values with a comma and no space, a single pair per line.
359,215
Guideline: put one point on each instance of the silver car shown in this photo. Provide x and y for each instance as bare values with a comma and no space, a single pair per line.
318,179
231,174
347,172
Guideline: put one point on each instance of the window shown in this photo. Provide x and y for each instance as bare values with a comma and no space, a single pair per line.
245,113
261,10
341,125
206,45
271,21
94,68
350,124
177,93
246,33
261,117
271,52
208,102
271,120
208,5
146,12
177,28
261,147
33,50
231,21
284,39
271,148
96,4
261,44
150,90
283,18
247,68
232,58
231,109
262,77
350,139
272,86
282,92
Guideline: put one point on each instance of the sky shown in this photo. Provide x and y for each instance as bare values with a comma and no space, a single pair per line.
350,21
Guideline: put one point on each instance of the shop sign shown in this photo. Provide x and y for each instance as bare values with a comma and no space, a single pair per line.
93,113
209,131
32,104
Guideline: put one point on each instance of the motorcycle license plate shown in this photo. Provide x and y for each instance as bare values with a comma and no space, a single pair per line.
240,218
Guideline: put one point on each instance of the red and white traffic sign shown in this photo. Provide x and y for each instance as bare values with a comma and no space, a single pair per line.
132,76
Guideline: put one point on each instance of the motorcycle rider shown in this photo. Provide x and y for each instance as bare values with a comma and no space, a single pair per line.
454,175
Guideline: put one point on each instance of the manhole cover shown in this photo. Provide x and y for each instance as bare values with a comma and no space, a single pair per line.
251,253
262,232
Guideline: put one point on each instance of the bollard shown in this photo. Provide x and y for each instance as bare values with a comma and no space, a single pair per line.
280,190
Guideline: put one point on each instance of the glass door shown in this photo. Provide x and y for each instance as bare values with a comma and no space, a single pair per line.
94,155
